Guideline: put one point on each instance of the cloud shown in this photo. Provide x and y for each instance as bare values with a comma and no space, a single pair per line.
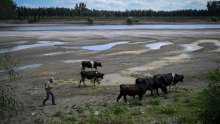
95,4
28,5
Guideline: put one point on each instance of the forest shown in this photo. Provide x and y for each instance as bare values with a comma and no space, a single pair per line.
9,10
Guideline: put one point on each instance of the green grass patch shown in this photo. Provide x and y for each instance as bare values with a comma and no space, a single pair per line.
154,101
213,75
90,90
169,109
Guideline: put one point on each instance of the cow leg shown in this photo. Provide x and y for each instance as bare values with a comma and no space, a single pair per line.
125,98
175,87
140,97
157,92
170,88
83,79
119,97
94,81
80,82
151,92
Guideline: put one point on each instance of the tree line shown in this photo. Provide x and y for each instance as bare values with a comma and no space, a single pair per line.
80,10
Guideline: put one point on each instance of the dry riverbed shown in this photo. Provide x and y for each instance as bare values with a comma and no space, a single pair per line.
125,55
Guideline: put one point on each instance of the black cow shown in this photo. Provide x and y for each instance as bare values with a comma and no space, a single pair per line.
131,90
152,84
170,79
95,75
90,64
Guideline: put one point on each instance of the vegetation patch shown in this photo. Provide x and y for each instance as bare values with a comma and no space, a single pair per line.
209,100
9,65
9,104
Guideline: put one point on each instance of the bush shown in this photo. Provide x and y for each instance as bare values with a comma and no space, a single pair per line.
214,19
33,20
213,75
131,20
209,100
90,20
9,65
9,105
209,105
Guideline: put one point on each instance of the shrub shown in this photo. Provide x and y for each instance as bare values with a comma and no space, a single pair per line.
214,19
9,65
130,20
209,105
33,20
90,20
9,105
213,75
209,100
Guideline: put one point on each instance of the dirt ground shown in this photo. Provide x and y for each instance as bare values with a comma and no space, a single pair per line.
121,64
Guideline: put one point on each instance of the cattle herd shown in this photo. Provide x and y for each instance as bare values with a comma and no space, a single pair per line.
141,85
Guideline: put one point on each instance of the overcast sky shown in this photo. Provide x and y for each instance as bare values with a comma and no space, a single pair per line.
119,4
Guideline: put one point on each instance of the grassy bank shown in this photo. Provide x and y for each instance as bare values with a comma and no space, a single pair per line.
182,106
114,20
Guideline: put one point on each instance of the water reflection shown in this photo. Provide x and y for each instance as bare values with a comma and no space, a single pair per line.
184,55
73,61
158,45
191,47
109,27
104,46
28,67
38,44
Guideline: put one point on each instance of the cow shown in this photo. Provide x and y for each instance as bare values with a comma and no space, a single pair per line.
131,90
152,84
90,64
170,79
95,75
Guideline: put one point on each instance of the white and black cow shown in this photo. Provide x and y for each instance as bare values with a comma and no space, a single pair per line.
95,75
170,79
90,64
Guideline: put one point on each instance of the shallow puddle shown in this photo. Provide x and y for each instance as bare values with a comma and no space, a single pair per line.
16,43
158,45
28,67
72,61
58,53
104,46
184,55
191,47
38,44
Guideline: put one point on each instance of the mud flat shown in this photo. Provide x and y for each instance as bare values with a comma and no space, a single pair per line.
188,52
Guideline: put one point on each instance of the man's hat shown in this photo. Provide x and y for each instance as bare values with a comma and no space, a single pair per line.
51,79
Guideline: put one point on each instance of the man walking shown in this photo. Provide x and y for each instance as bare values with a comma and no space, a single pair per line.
48,89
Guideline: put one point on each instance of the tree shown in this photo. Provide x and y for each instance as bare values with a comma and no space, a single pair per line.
7,9
9,65
81,9
214,8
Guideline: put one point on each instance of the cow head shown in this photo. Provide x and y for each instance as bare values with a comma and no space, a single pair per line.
180,78
99,64
102,75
